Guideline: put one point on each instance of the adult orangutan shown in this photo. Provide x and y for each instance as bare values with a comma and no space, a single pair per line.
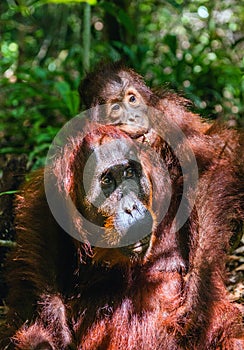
143,266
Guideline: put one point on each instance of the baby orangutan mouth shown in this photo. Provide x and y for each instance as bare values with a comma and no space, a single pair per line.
134,132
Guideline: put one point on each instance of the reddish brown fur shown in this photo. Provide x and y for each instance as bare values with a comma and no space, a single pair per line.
73,297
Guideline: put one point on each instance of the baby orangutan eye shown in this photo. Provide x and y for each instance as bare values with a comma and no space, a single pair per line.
132,99
115,107
115,111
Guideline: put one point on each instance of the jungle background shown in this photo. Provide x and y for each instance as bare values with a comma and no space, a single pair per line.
195,47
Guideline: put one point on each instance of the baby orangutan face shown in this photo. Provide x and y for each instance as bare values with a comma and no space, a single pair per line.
127,109
120,98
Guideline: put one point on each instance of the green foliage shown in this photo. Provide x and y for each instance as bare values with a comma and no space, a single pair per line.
195,47
123,18
26,7
43,2
70,97
198,53
36,104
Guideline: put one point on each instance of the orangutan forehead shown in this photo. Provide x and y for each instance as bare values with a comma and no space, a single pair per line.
116,89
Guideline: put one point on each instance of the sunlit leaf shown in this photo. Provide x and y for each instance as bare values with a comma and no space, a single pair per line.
8,192
43,2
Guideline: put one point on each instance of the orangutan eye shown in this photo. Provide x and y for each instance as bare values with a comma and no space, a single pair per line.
129,173
108,183
132,99
115,107
106,180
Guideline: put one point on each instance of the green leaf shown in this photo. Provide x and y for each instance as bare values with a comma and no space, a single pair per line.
8,192
63,88
38,151
6,150
8,244
43,2
70,97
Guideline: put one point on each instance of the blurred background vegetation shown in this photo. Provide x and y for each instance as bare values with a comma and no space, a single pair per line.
195,47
